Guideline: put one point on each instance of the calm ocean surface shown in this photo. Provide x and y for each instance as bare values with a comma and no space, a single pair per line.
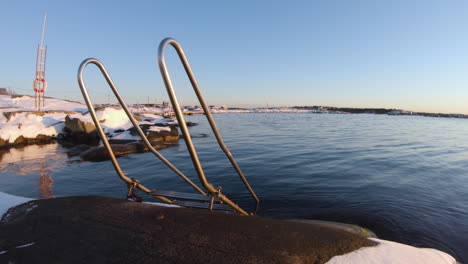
404,177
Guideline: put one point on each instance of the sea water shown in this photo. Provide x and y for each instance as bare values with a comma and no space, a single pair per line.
403,177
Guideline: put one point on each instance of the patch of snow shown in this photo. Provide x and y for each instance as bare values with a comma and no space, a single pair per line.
114,119
388,252
8,201
111,119
3,252
145,123
152,116
159,128
125,136
31,208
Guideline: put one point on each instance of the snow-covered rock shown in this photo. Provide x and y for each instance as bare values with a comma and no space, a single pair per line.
20,123
29,125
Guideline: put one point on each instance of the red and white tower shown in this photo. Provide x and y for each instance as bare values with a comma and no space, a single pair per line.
40,84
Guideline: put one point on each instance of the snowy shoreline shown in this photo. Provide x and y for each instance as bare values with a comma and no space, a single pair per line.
21,124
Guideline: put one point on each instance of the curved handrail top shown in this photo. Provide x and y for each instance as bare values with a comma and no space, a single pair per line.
167,80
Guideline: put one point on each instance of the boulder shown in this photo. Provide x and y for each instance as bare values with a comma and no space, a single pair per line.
42,138
19,140
81,132
158,136
3,142
108,230
75,125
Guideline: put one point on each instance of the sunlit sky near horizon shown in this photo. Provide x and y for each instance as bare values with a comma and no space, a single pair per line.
395,54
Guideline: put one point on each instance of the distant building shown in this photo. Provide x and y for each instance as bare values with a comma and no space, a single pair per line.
400,112
3,91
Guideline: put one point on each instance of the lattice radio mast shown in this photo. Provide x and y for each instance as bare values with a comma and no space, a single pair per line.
40,84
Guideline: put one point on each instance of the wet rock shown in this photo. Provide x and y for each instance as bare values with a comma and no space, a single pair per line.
100,153
42,137
3,142
108,230
174,124
22,140
163,135
143,127
77,150
160,136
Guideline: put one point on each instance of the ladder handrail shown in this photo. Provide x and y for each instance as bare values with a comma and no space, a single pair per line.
103,136
188,141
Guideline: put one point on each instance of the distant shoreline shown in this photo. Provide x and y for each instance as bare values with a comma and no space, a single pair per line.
323,110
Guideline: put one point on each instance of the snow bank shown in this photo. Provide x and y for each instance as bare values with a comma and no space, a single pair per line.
24,121
114,119
27,103
388,252
7,201
30,126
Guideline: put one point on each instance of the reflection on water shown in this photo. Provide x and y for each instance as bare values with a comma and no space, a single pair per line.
40,160
404,178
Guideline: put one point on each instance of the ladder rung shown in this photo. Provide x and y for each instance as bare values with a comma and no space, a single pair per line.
191,204
184,196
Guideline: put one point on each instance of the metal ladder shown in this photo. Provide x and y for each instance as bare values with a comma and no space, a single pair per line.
212,198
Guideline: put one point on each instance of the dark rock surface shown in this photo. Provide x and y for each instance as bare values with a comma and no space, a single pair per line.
107,230
167,136
21,141
77,150
100,153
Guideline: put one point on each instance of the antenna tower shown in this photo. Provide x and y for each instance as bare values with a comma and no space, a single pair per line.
40,84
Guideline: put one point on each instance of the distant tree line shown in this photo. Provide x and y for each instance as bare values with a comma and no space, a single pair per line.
380,111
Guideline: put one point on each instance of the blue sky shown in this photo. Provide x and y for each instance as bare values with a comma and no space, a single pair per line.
394,54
